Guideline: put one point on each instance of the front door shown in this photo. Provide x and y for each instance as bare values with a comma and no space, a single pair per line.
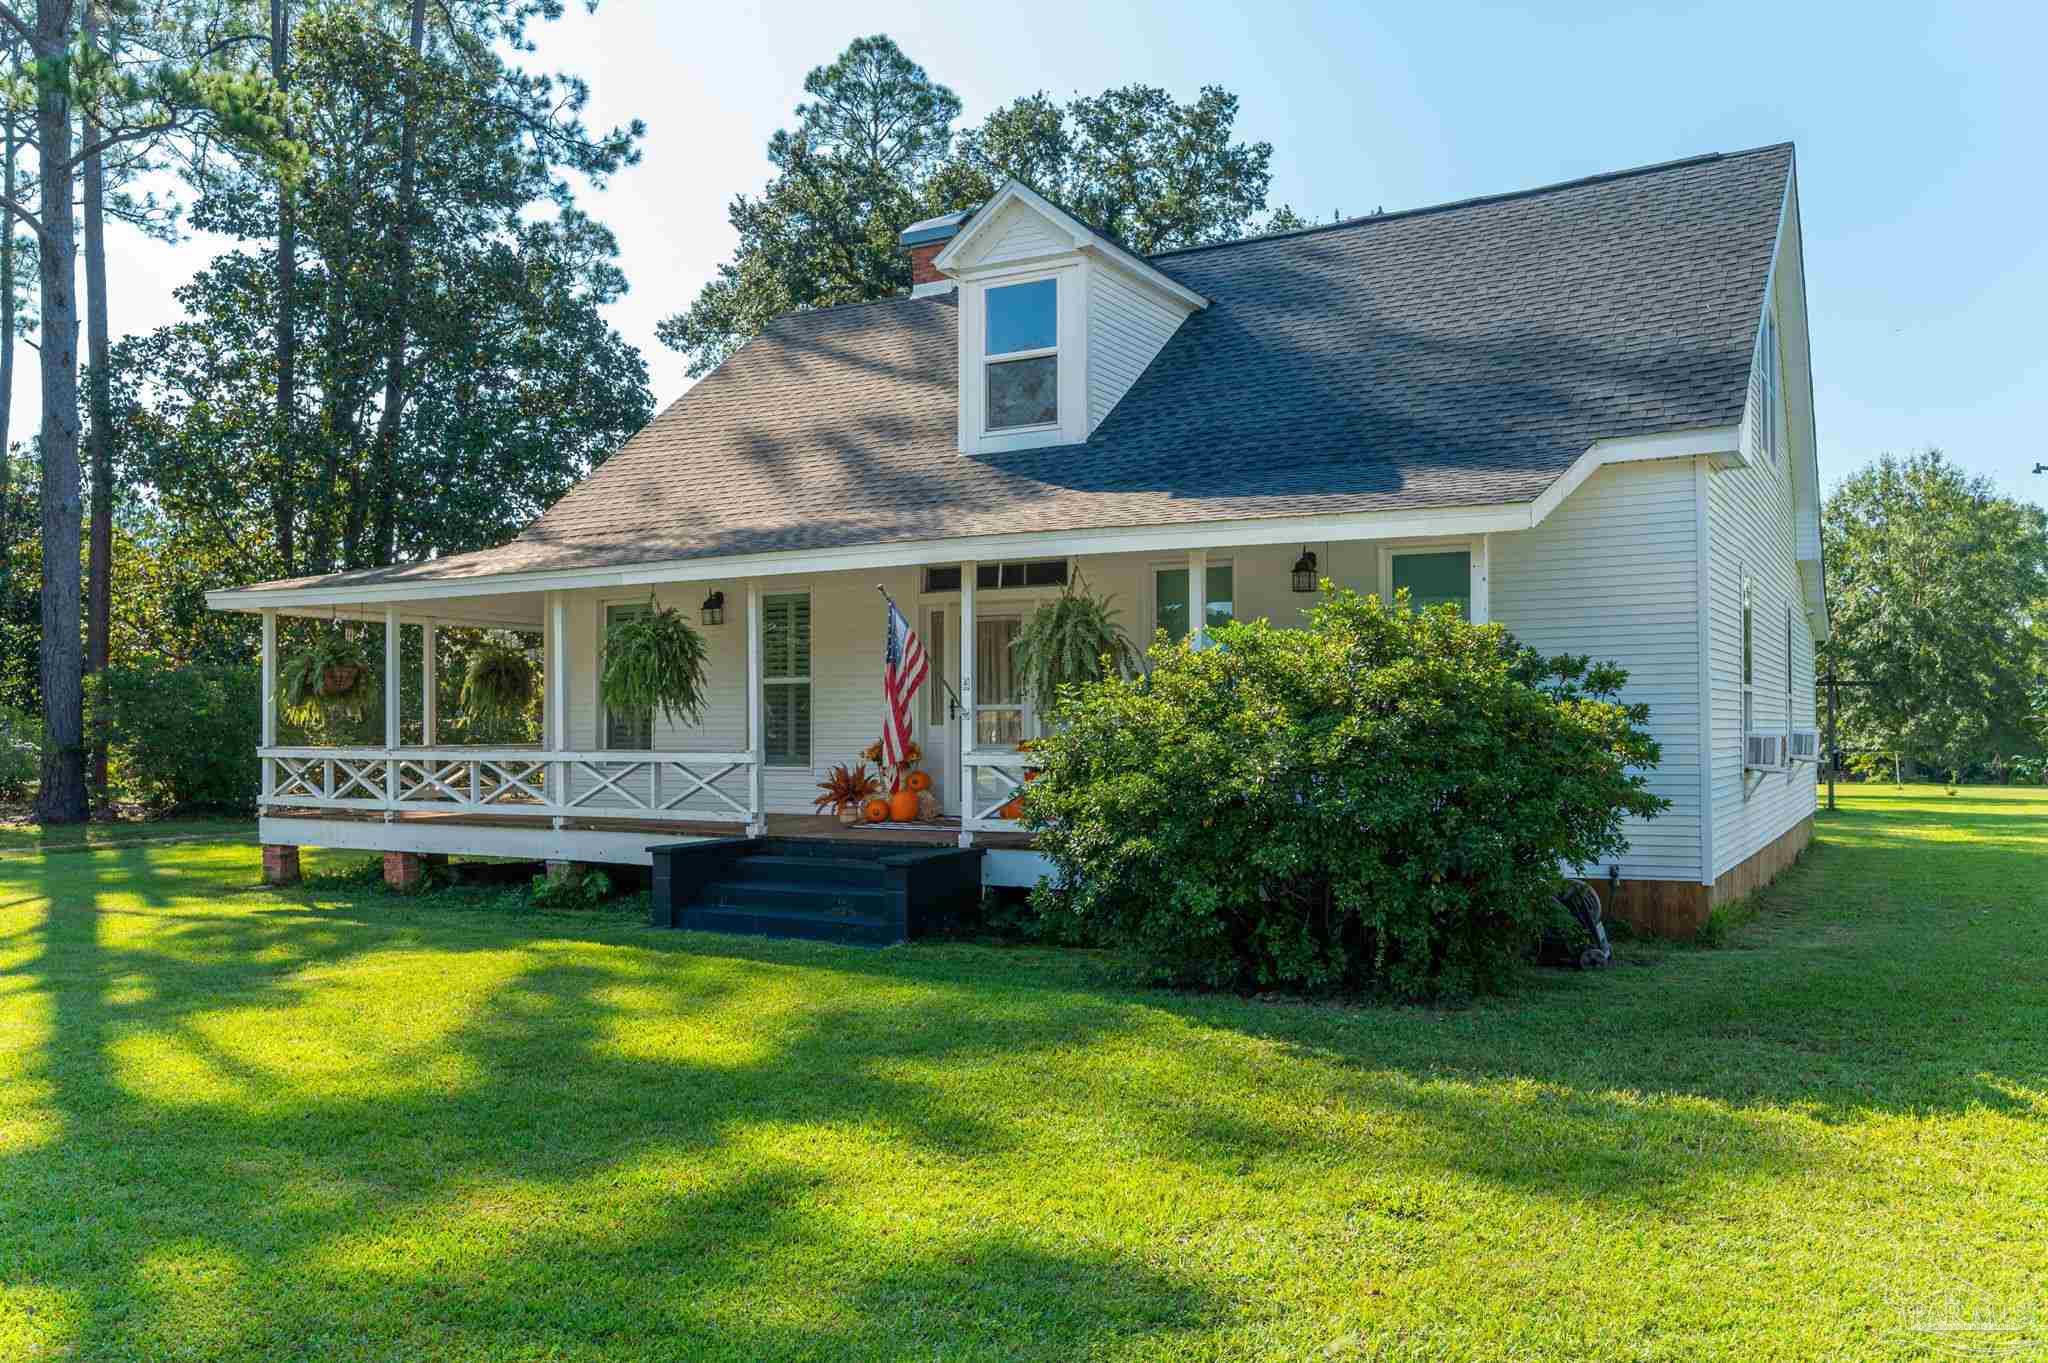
1001,714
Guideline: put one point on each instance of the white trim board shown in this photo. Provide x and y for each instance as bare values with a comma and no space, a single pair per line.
1405,523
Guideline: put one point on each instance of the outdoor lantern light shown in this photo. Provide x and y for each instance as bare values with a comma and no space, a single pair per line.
1305,571
714,609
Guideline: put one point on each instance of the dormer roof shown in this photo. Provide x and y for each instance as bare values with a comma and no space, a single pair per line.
964,252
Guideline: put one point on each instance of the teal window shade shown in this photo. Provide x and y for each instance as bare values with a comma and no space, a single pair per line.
786,679
1433,579
627,730
1170,598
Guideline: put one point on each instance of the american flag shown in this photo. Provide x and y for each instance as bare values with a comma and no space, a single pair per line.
904,668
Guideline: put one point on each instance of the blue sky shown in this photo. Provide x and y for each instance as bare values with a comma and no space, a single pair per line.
1919,130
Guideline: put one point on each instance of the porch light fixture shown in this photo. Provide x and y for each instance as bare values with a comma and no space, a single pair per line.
714,609
1305,571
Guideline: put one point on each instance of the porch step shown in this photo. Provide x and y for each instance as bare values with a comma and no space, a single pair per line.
852,872
796,896
815,927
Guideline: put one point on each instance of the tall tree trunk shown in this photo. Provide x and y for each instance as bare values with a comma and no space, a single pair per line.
286,502
8,284
62,796
99,605
386,548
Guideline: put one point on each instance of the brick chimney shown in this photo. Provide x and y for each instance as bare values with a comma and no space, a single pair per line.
924,240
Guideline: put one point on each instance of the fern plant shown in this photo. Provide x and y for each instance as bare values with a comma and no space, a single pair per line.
329,675
1074,639
498,685
655,661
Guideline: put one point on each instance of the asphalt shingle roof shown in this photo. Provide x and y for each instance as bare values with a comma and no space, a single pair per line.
1460,355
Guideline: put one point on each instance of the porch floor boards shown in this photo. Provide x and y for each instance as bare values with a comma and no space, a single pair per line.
945,833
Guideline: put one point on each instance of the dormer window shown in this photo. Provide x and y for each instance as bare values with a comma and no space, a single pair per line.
1021,355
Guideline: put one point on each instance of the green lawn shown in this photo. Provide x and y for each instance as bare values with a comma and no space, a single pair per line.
241,1124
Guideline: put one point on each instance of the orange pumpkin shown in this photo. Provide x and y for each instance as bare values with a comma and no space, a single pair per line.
903,806
876,810
919,780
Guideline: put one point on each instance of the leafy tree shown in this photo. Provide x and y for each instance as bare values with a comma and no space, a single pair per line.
512,384
1131,162
873,149
848,179
1937,585
82,105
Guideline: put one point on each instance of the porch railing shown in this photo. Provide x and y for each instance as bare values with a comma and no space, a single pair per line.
679,787
999,774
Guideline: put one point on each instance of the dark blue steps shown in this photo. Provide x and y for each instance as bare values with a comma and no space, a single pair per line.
818,889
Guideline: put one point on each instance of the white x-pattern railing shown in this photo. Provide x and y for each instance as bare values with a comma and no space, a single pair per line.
989,771
666,786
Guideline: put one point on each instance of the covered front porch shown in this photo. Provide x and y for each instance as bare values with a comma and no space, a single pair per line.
795,662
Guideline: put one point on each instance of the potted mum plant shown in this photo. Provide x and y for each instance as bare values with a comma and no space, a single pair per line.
655,661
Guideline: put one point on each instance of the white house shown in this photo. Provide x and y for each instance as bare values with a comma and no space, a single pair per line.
1583,410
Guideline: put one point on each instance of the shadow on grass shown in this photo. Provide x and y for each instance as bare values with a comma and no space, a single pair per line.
665,1147
305,1178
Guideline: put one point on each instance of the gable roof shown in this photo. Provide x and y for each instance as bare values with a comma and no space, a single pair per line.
1462,355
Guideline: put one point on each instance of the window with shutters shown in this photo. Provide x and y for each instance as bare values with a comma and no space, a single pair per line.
627,730
786,678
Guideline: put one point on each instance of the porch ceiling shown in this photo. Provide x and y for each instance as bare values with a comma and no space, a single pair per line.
511,610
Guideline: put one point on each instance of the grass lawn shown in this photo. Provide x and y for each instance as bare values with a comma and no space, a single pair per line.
242,1124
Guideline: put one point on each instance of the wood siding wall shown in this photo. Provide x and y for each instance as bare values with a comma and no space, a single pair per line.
1126,330
1613,572
1750,520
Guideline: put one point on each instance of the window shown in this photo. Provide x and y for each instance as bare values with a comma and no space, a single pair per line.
1170,598
935,695
1048,572
999,720
1021,345
786,678
1748,666
627,730
1788,664
1434,578
1770,431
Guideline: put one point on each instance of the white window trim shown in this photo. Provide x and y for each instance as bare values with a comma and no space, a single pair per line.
987,360
770,679
1770,387
1472,546
605,604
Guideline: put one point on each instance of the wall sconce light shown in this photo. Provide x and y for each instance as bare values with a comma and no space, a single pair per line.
714,609
1305,571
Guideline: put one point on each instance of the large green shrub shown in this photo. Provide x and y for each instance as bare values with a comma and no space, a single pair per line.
21,753
1377,802
181,738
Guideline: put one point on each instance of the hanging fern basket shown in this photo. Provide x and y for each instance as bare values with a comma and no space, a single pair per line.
1074,639
498,686
331,675
655,661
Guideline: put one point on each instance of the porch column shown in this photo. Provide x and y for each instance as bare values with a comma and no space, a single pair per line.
430,700
556,708
1482,561
391,735
1198,596
268,738
757,719
965,784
